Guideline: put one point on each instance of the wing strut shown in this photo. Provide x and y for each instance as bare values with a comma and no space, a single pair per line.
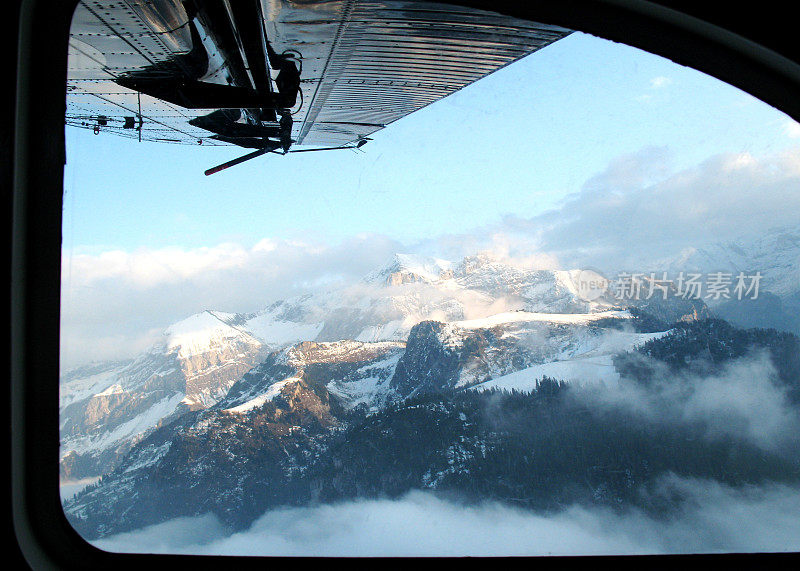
272,149
238,161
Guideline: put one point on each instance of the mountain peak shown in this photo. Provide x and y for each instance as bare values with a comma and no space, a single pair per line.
199,332
408,268
474,262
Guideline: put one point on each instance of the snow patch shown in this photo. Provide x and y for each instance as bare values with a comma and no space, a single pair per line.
137,425
277,333
115,389
273,391
515,316
79,389
201,332
372,389
588,363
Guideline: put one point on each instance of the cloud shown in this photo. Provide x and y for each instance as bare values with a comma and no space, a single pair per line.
639,210
116,303
659,82
791,128
744,400
712,518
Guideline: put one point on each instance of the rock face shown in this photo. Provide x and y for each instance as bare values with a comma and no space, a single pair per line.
436,354
357,373
107,409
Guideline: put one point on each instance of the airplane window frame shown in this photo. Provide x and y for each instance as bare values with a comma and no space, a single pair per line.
45,537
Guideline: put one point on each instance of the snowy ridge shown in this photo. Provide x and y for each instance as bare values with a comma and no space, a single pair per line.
273,391
355,372
413,265
775,253
526,316
588,362
202,332
338,351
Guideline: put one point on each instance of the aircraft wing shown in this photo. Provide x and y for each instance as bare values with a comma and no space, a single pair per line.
267,74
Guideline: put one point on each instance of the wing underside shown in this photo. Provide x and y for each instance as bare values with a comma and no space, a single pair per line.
316,73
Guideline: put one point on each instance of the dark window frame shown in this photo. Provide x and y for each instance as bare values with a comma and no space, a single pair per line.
756,54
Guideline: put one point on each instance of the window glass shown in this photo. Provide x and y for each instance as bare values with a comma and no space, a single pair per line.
555,312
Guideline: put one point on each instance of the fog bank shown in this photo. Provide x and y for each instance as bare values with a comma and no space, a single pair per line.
712,518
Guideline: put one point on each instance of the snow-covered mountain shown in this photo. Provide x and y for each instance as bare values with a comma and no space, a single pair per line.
106,408
284,409
410,289
775,255
354,372
408,268
467,354
236,413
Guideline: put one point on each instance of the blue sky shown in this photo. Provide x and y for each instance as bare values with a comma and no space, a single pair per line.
586,154
517,142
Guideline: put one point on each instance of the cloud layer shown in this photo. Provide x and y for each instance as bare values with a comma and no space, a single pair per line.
115,304
744,400
638,210
714,518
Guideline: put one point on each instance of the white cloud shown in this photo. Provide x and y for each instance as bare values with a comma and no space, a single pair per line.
659,82
713,518
115,303
792,129
743,400
639,211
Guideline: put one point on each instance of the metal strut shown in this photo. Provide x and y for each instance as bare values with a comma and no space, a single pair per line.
238,161
273,149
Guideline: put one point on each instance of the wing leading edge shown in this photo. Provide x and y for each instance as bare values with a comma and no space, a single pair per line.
270,74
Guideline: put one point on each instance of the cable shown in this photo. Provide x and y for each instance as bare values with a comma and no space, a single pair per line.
298,59
300,91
